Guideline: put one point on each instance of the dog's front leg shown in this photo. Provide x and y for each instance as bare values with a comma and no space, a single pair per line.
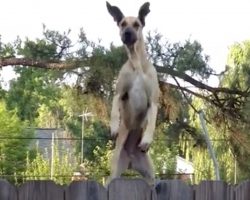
115,116
150,128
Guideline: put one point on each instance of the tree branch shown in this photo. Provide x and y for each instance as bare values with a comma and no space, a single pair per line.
35,63
198,84
188,91
185,96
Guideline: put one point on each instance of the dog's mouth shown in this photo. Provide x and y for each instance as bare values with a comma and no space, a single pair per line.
129,37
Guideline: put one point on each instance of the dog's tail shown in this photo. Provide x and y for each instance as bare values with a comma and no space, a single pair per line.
136,102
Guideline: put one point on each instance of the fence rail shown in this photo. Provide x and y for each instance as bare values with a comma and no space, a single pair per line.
125,189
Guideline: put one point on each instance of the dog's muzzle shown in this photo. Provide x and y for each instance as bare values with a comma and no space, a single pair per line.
129,36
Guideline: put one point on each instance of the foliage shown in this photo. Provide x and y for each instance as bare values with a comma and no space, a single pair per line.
237,76
238,71
41,168
98,168
223,153
12,151
186,57
35,89
49,116
104,65
163,154
96,136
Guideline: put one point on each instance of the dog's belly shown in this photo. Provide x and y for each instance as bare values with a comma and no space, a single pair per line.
132,142
135,103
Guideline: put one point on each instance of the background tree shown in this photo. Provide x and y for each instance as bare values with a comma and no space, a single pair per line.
12,148
236,108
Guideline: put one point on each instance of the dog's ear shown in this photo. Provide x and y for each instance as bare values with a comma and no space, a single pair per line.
144,10
115,12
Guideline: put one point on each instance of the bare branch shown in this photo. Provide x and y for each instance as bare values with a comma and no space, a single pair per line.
185,96
187,90
35,63
198,84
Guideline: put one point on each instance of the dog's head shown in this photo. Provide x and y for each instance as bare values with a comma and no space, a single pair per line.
130,27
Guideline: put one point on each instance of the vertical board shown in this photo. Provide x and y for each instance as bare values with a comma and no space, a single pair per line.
40,190
230,192
213,190
173,190
242,191
7,191
85,190
129,189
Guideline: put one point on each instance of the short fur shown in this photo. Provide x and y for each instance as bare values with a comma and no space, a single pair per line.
134,107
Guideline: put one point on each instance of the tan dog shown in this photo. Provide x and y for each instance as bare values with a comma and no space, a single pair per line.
134,107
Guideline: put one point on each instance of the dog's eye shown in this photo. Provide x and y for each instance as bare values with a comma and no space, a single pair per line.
123,24
136,25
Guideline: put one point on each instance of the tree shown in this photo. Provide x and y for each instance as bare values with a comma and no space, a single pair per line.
12,147
237,107
35,87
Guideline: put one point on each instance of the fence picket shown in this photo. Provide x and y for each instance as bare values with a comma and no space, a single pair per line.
85,190
7,191
213,190
40,190
242,191
126,189
173,190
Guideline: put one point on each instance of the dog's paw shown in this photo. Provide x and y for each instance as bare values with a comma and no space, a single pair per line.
113,132
145,144
114,128
144,147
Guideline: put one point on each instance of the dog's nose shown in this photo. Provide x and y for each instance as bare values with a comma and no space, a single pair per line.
128,37
127,34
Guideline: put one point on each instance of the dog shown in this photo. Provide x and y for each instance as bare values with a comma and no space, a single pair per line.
135,103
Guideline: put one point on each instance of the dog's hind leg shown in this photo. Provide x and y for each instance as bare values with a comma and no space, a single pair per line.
142,163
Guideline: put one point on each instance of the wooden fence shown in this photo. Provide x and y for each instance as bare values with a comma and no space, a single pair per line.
125,189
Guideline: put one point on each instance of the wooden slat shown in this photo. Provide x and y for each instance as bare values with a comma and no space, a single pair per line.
213,190
40,190
173,190
230,192
85,190
129,189
7,191
242,191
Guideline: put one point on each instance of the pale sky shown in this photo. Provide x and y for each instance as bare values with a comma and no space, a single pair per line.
216,24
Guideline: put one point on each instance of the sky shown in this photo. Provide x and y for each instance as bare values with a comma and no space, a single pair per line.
216,24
